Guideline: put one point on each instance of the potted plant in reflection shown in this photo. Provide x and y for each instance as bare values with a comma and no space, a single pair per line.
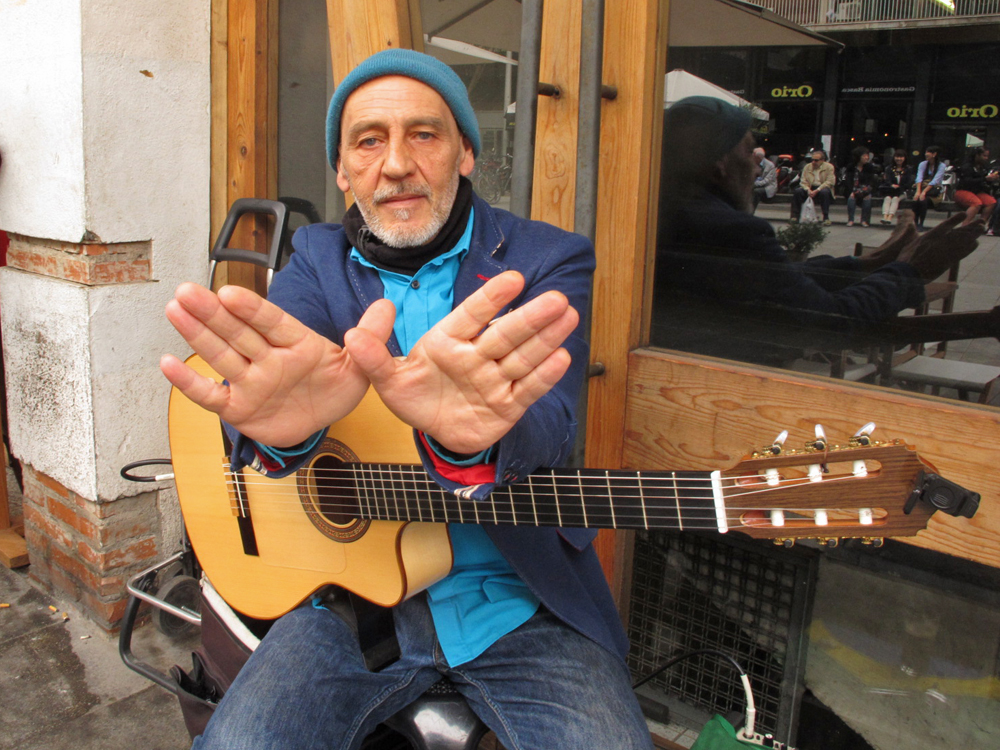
801,238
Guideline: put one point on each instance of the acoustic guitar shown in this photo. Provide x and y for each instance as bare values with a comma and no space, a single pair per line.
364,515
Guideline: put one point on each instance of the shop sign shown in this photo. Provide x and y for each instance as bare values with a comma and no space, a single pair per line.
804,91
876,90
965,112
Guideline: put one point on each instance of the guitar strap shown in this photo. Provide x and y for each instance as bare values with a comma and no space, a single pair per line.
373,625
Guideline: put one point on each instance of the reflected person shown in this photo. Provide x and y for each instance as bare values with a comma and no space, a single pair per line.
725,286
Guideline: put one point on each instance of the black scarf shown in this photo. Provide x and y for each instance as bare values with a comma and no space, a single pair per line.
409,260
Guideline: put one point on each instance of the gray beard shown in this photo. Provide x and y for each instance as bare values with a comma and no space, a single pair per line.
403,237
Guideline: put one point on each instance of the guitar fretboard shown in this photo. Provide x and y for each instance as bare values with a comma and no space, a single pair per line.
549,497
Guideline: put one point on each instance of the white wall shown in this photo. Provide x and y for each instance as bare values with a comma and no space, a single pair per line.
104,129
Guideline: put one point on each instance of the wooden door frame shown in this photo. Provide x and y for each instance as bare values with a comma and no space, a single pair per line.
624,416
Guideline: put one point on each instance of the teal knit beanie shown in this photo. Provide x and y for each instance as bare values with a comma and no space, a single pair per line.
416,65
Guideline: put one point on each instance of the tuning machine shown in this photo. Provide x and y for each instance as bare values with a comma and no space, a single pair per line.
863,437
778,445
820,442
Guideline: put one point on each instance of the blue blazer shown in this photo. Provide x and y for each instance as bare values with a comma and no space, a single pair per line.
327,291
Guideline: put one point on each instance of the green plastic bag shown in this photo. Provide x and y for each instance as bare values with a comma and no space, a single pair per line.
718,734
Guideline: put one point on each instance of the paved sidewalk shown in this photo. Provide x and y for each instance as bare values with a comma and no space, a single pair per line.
63,686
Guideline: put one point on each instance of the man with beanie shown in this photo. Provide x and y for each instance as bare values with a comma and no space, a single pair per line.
726,287
464,319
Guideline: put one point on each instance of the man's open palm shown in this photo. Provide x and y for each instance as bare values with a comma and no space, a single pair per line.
285,381
466,386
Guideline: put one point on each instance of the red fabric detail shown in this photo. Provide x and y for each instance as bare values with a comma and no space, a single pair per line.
266,462
484,278
464,475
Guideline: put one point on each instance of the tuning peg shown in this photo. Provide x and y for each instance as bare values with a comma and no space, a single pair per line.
779,443
830,542
786,542
873,541
864,435
819,443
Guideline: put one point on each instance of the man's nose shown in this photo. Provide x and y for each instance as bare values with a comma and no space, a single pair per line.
398,161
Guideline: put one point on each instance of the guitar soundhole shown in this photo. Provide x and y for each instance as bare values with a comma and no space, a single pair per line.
329,495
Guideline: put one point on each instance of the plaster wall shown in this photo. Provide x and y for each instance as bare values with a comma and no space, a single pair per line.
105,135
41,119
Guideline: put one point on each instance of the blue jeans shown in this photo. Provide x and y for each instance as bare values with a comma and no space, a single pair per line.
540,687
866,208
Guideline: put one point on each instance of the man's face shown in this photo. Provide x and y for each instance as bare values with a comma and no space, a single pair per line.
817,158
866,157
401,154
738,169
983,158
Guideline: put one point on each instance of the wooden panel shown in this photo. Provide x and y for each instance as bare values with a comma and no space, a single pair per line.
219,201
554,183
250,126
360,28
629,124
631,61
687,412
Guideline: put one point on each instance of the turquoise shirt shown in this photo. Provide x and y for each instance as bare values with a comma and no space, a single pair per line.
482,599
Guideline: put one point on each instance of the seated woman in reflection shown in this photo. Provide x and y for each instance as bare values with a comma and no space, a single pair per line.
859,181
725,285
896,180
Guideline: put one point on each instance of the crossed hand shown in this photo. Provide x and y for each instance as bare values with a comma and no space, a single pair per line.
465,383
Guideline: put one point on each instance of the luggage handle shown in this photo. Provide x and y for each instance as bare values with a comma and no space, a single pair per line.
221,250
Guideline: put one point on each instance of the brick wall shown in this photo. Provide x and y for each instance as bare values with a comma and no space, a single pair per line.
87,262
87,550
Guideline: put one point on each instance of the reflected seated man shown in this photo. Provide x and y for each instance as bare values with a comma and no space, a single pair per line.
724,284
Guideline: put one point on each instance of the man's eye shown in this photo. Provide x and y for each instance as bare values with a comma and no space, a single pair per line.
369,142
424,136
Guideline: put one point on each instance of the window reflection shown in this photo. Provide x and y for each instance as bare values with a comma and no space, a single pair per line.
754,282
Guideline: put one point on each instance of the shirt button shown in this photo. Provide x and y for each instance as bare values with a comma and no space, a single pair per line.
414,284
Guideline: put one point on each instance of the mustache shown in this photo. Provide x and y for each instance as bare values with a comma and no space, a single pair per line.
404,188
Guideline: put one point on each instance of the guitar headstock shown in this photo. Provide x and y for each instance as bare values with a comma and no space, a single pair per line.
866,489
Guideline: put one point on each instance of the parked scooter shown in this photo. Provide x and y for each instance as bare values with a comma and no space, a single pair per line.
787,174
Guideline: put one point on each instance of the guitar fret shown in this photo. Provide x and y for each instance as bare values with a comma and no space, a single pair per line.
555,499
642,500
401,492
677,501
534,507
362,490
513,510
379,488
611,500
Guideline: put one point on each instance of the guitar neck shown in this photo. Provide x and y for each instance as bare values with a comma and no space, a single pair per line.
550,497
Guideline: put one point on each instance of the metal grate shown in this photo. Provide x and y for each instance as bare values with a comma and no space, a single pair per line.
747,599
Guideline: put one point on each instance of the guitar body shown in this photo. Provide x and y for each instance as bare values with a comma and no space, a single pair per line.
298,550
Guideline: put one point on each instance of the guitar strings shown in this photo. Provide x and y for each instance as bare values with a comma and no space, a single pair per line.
362,503
540,486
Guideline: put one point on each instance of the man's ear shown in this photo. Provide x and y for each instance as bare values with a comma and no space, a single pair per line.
468,162
342,182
